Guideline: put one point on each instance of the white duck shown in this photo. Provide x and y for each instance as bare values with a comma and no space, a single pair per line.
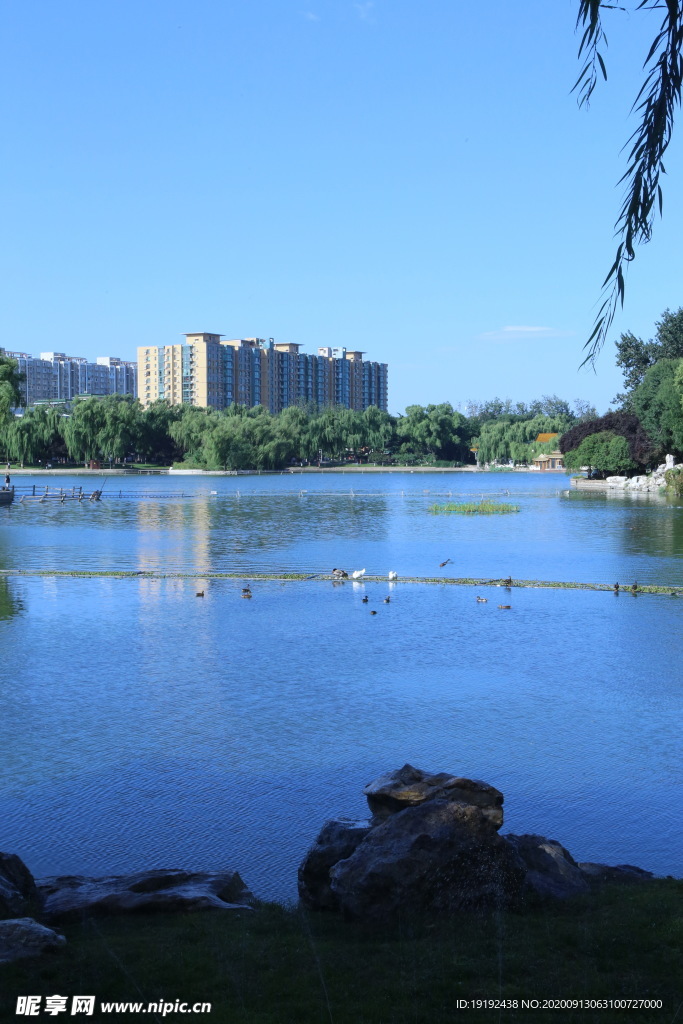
358,573
392,575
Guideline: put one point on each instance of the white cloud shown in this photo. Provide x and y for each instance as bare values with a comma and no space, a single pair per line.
365,10
524,333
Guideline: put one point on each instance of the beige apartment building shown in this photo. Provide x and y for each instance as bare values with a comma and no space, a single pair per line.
213,372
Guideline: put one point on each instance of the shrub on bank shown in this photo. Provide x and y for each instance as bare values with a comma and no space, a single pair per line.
674,481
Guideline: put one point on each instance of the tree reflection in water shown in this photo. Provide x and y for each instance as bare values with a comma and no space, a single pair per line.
9,604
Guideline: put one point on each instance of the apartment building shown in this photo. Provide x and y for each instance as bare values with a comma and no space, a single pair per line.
56,377
209,370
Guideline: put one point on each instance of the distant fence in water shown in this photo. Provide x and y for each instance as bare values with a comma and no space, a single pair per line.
46,492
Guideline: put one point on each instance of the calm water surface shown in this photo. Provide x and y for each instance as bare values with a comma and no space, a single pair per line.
141,726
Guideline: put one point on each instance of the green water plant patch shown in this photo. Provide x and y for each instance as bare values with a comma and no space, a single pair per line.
473,508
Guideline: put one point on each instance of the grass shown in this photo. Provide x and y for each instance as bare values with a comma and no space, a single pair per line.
482,508
278,965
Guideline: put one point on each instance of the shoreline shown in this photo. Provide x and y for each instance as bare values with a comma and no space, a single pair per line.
290,471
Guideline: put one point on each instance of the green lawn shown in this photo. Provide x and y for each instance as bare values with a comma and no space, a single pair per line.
278,965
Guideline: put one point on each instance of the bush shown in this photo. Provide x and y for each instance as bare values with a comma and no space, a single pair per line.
674,481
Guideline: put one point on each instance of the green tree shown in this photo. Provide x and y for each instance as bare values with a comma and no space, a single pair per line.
10,387
658,404
83,428
606,452
437,431
515,439
155,442
121,426
189,429
636,356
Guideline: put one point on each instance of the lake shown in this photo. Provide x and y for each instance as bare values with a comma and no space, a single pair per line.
142,726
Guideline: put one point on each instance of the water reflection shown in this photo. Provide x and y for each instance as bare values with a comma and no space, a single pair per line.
10,603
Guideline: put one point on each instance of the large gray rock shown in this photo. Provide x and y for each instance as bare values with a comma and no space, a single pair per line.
409,786
440,855
433,845
74,896
17,886
550,868
22,937
337,841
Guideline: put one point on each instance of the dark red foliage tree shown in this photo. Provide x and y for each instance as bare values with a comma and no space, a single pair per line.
641,447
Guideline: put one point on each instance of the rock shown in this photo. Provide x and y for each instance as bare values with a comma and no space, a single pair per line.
550,868
616,481
619,873
74,896
433,845
22,936
409,787
337,840
669,463
440,855
17,886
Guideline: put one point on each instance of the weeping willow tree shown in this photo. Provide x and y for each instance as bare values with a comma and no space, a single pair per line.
655,105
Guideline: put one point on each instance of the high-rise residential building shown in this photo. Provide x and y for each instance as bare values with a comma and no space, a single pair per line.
56,377
209,370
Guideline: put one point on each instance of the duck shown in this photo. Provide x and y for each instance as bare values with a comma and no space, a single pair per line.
482,600
635,586
200,593
616,588
339,574
392,575
365,599
373,612
507,582
441,564
387,600
358,573
505,606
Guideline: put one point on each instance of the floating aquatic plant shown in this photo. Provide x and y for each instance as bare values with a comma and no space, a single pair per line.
482,508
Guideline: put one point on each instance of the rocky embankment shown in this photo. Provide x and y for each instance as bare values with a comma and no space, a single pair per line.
651,483
432,844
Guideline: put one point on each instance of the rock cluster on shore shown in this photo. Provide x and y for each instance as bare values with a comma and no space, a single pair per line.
432,844
74,897
651,482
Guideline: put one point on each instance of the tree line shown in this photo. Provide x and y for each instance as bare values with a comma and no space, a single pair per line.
646,425
118,428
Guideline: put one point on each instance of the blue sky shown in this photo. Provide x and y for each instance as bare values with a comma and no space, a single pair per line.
411,179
